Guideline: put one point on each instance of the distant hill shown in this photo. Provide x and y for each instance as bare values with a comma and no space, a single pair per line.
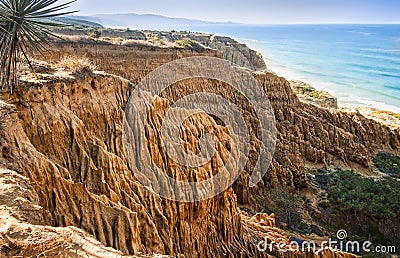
144,21
77,21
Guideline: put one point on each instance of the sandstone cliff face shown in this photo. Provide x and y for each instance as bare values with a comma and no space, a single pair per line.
21,233
308,94
307,135
230,49
71,148
66,139
130,62
233,51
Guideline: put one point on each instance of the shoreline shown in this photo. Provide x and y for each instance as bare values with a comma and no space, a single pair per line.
325,99
350,102
343,104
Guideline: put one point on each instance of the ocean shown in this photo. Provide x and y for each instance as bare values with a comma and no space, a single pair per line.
359,64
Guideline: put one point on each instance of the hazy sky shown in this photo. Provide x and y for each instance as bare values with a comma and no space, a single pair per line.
255,11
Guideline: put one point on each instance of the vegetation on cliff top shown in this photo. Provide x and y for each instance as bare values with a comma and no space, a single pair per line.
77,65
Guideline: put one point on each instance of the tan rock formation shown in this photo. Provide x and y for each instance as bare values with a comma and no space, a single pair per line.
308,94
66,139
388,118
236,52
70,149
307,135
229,48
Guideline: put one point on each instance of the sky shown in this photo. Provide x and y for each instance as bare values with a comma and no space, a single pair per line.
254,11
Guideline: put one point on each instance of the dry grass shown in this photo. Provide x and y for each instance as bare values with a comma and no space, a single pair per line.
74,38
35,66
77,65
114,41
384,112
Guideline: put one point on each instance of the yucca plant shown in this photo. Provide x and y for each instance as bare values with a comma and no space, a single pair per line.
24,27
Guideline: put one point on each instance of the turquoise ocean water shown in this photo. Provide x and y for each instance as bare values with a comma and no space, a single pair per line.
359,64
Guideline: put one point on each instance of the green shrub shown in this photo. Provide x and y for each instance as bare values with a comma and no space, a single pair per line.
185,43
315,94
348,191
95,34
388,163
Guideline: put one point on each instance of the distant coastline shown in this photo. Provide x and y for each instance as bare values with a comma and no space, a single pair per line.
356,73
288,74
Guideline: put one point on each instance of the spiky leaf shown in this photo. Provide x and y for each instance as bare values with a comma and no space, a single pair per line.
24,27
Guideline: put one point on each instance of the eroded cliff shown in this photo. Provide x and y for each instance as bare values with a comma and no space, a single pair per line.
70,150
65,138
229,49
